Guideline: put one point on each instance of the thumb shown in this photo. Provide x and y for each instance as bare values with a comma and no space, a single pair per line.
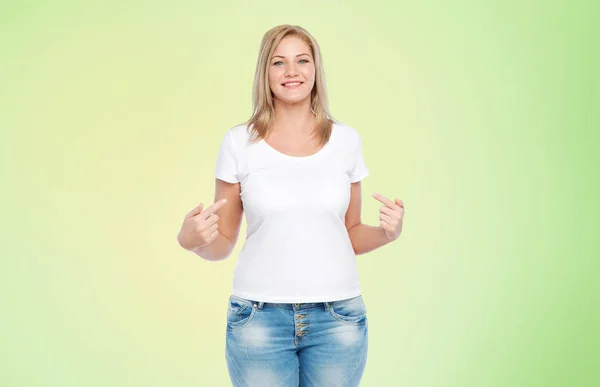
195,211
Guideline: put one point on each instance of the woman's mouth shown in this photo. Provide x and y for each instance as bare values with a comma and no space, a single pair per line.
292,85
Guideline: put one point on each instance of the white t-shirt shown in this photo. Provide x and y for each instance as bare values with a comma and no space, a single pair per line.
297,248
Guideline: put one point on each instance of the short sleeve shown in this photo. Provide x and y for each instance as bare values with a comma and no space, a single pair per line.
226,168
360,170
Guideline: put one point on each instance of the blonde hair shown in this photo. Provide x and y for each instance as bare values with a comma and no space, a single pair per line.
262,98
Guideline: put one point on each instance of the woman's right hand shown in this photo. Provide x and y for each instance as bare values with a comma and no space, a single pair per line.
200,228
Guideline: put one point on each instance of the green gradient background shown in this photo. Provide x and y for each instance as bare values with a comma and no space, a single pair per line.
479,115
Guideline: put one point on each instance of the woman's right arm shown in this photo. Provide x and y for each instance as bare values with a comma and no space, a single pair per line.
227,226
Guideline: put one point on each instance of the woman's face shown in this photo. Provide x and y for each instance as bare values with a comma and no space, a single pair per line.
291,62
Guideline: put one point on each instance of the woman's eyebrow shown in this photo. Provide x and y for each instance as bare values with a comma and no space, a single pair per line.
275,56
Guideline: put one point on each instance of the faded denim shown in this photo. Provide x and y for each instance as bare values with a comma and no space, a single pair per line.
296,345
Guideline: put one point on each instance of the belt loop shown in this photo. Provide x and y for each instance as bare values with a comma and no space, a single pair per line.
326,306
260,305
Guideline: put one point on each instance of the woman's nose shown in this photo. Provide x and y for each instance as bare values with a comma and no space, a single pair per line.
290,70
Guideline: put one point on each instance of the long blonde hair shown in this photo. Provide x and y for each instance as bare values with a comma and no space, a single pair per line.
262,98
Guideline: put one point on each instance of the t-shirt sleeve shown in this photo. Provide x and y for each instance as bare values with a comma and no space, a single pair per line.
360,170
226,168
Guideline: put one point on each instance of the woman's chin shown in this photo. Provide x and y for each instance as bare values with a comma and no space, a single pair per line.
287,100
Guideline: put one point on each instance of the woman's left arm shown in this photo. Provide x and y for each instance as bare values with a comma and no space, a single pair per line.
365,238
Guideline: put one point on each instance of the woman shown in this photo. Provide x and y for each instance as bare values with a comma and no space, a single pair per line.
296,316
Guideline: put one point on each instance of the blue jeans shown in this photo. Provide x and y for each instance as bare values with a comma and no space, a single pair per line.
289,345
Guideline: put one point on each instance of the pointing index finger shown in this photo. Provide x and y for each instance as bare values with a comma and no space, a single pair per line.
384,200
213,208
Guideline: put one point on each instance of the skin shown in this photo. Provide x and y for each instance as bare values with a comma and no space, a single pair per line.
212,232
292,60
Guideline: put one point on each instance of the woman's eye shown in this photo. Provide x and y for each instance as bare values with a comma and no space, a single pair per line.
278,62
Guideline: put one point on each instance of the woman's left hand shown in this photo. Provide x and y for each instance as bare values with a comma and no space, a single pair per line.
390,216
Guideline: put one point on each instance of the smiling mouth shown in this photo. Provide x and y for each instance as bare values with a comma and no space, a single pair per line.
292,84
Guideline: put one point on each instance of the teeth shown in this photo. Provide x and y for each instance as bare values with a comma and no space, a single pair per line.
291,84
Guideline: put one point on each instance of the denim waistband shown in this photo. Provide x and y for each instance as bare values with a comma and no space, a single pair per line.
260,305
288,305
300,305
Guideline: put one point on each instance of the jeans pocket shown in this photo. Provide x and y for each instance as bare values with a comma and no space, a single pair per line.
239,313
351,311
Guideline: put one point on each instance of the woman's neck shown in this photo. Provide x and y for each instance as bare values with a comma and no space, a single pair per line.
294,118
